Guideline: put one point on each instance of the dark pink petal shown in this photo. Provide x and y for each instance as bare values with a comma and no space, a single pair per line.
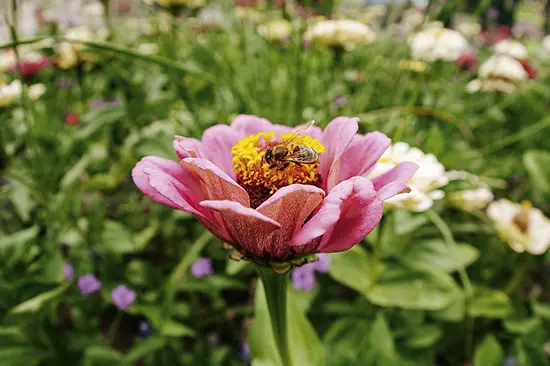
246,125
362,154
215,184
187,147
290,206
336,138
217,141
349,212
168,183
394,181
245,227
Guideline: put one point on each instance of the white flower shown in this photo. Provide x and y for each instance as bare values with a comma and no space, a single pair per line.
512,48
524,228
438,44
499,73
9,93
471,199
544,51
276,30
36,91
425,182
469,29
69,54
344,33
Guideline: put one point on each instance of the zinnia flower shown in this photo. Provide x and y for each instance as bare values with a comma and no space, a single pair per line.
438,44
276,30
467,61
512,48
424,184
524,228
347,34
499,73
277,214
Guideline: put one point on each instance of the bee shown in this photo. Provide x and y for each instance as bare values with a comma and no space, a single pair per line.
282,155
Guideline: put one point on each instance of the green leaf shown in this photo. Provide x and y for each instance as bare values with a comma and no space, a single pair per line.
347,337
233,267
520,325
489,353
52,267
304,299
413,289
381,341
101,356
305,348
116,238
490,303
406,222
21,199
423,336
437,254
542,310
21,355
37,302
76,171
144,348
537,163
352,268
260,338
434,142
174,328
18,238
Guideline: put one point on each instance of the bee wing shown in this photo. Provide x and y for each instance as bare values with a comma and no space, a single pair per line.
306,155
300,130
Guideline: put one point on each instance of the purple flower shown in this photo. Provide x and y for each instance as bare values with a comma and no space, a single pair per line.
100,103
202,267
88,284
245,352
68,272
123,297
322,264
510,361
303,278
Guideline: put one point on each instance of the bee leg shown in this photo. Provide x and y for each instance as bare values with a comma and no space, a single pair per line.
272,166
284,166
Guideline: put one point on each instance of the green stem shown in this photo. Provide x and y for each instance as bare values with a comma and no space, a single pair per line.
113,329
275,286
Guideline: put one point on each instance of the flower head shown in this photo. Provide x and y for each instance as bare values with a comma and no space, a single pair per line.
88,284
276,30
438,44
10,93
424,184
276,213
512,48
499,73
467,61
524,228
123,297
342,33
202,267
68,272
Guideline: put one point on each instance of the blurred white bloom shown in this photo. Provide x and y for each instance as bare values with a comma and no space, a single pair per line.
412,17
9,93
424,184
7,58
524,228
27,24
499,73
148,48
248,14
471,199
469,29
213,15
544,51
69,54
65,13
438,44
36,91
512,48
93,13
275,30
344,33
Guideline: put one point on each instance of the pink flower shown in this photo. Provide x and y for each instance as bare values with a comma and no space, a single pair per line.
31,67
283,212
467,61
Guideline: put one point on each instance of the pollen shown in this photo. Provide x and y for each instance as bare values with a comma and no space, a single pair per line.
261,180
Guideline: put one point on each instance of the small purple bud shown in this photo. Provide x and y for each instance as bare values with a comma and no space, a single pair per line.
245,352
202,267
322,265
303,278
510,361
88,284
123,297
68,272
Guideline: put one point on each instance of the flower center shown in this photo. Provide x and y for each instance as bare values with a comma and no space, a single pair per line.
290,159
521,219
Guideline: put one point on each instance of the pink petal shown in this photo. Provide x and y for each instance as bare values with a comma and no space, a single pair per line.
349,212
362,154
245,227
218,141
336,138
216,184
290,206
168,183
187,147
394,181
246,125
